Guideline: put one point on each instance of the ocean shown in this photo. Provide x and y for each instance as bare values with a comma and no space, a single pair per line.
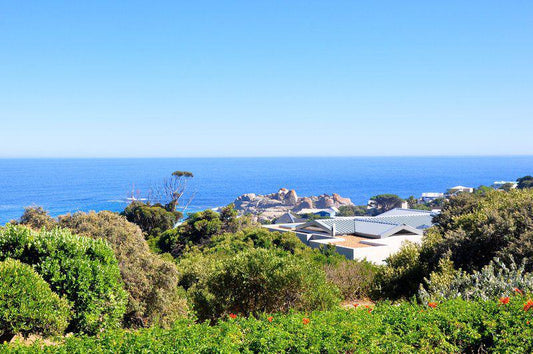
69,185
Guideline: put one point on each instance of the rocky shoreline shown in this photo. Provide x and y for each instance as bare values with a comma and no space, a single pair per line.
271,206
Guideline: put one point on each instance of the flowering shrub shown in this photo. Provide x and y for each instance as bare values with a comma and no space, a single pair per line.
453,326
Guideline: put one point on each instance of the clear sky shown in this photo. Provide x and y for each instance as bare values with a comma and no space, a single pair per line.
265,78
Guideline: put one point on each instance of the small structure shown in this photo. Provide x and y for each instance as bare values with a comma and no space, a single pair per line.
460,189
288,218
500,184
329,212
431,196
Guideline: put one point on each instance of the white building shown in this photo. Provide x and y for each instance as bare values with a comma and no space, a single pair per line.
372,238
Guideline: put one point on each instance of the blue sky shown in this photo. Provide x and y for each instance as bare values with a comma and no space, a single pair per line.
265,78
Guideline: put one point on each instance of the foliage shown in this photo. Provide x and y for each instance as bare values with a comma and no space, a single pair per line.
152,219
261,280
525,182
470,231
230,243
352,210
200,228
37,218
355,279
83,270
386,202
27,305
150,281
451,327
495,280
402,274
474,229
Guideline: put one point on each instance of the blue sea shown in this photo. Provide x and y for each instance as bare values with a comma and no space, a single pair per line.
69,185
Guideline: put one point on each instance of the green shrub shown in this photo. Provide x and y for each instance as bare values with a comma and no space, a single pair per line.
27,305
401,275
495,280
452,327
200,228
260,280
355,279
150,281
474,229
152,219
83,270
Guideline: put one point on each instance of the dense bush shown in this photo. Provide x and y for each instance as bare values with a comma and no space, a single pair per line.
27,305
83,270
36,218
494,280
451,327
473,229
151,281
230,243
200,227
152,219
260,280
355,279
352,210
402,274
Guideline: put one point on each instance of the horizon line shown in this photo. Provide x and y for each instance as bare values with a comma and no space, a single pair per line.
257,157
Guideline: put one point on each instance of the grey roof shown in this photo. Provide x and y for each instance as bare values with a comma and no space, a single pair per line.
380,226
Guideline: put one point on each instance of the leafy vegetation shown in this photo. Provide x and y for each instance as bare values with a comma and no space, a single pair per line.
451,326
27,305
261,280
244,288
352,210
152,219
81,269
150,280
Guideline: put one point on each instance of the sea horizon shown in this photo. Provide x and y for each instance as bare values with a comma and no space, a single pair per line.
63,185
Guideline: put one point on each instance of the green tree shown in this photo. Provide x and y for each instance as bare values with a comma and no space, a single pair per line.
200,227
525,182
152,219
386,202
352,210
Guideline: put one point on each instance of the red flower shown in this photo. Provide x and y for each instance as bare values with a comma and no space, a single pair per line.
370,310
355,305
432,304
504,300
270,319
305,321
528,305
232,315
518,291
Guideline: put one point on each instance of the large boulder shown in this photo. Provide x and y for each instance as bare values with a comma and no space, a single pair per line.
291,198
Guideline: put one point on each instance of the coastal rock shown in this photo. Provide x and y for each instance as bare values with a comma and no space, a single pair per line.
305,203
270,206
291,198
340,200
